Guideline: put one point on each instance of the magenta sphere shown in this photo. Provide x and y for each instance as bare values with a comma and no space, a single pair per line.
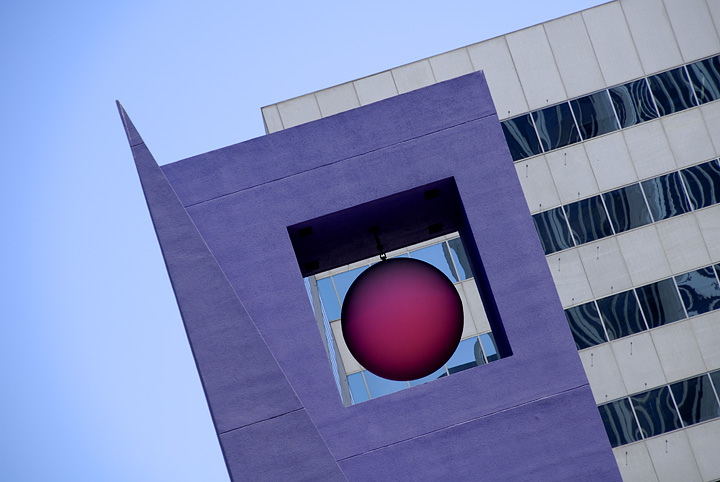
402,319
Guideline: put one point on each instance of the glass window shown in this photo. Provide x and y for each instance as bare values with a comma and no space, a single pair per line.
621,315
357,388
672,91
655,412
439,373
705,77
703,184
521,137
556,126
716,380
489,347
660,302
699,291
619,422
594,114
633,103
627,208
553,230
381,386
460,257
665,196
329,298
467,355
588,220
695,400
585,325
437,255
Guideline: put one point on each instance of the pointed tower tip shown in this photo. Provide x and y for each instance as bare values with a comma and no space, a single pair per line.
132,134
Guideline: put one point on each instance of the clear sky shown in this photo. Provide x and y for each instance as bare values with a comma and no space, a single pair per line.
97,382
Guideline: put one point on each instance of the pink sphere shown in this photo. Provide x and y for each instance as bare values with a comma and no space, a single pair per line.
402,319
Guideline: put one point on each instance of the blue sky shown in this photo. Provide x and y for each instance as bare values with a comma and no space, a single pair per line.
98,382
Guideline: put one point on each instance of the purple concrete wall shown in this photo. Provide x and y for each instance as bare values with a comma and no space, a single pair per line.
528,415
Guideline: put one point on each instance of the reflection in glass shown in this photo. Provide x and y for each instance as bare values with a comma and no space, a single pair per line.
672,91
357,388
556,126
621,315
467,355
665,196
460,257
699,291
705,77
585,325
633,103
381,386
521,137
588,220
627,208
439,373
437,255
703,184
619,422
489,347
594,114
655,412
695,400
344,280
660,303
716,380
553,230
329,298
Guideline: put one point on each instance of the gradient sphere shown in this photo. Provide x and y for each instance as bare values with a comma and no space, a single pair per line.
402,319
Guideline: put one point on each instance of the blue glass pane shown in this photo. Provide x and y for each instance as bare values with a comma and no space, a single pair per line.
619,422
656,412
665,196
585,325
716,380
460,257
633,103
467,355
521,137
699,291
556,126
594,114
695,400
344,280
672,91
660,302
553,230
357,388
705,76
588,220
329,299
703,184
627,208
380,386
438,256
439,373
489,347
621,315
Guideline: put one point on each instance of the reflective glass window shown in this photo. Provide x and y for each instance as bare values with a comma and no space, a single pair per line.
439,256
716,380
344,280
665,196
357,388
655,411
703,184
439,373
329,298
381,386
457,250
620,423
489,347
556,126
695,400
633,103
672,91
594,114
627,208
660,302
521,137
467,355
585,325
553,230
705,77
621,315
699,291
588,220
